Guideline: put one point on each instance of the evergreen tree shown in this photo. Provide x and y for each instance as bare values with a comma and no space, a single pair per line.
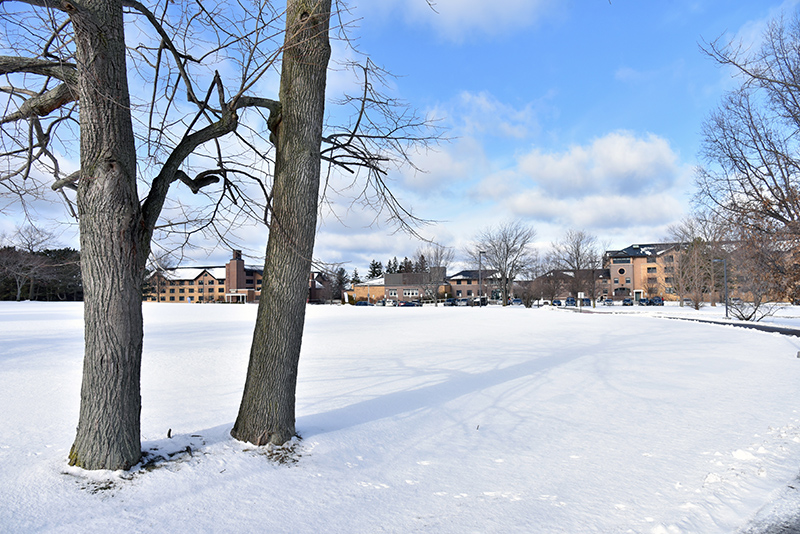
391,266
355,279
375,270
340,280
421,266
407,266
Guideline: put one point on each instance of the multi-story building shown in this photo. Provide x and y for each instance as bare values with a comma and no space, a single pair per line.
642,271
233,282
474,283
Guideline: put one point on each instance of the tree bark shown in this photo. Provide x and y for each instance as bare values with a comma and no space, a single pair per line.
266,414
113,254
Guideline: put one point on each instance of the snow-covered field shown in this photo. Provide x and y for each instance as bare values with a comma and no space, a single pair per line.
445,420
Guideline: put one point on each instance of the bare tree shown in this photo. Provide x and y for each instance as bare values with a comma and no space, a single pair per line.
751,173
437,259
506,249
67,80
756,264
693,261
579,253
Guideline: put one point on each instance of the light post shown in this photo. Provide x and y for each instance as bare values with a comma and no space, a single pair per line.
725,274
480,277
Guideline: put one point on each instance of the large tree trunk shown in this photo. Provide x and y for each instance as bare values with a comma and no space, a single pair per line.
266,414
113,254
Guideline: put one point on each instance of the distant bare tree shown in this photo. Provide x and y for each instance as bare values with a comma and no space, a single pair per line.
578,251
506,249
437,259
755,265
692,263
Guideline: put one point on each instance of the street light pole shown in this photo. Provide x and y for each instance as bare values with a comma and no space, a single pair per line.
725,274
480,277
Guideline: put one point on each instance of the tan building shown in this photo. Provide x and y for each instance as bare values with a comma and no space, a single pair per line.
641,271
233,282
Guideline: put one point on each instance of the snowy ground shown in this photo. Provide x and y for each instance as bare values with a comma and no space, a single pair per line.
446,420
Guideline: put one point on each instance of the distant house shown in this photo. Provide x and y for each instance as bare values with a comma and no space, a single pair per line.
474,283
398,287
319,287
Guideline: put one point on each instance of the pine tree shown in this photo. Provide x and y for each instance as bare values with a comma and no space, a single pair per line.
407,266
375,270
391,266
355,279
422,265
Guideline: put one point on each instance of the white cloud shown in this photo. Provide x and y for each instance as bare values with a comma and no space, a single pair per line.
458,20
617,163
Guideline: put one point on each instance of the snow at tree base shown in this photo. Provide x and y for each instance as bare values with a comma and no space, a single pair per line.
433,419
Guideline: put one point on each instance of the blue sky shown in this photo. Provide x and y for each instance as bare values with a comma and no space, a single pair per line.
570,114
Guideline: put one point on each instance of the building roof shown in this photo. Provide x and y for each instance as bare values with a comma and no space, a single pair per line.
473,274
192,273
641,251
372,282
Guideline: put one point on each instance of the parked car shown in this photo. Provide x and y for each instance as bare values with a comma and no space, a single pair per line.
516,302
570,302
608,302
556,302
409,303
586,302
688,302
449,302
627,302
656,301
364,303
644,302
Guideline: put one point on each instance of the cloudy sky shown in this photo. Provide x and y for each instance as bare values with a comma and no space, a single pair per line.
576,114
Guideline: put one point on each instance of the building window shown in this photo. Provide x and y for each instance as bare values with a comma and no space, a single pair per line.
627,280
621,260
458,293
622,271
669,269
469,293
411,292
191,290
200,290
458,282
163,291
616,280
221,290
669,259
668,280
172,299
393,293
181,290
651,270
651,259
163,299
211,282
180,298
199,282
172,290
652,280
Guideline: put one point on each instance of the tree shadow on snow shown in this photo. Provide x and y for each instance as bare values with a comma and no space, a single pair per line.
457,385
